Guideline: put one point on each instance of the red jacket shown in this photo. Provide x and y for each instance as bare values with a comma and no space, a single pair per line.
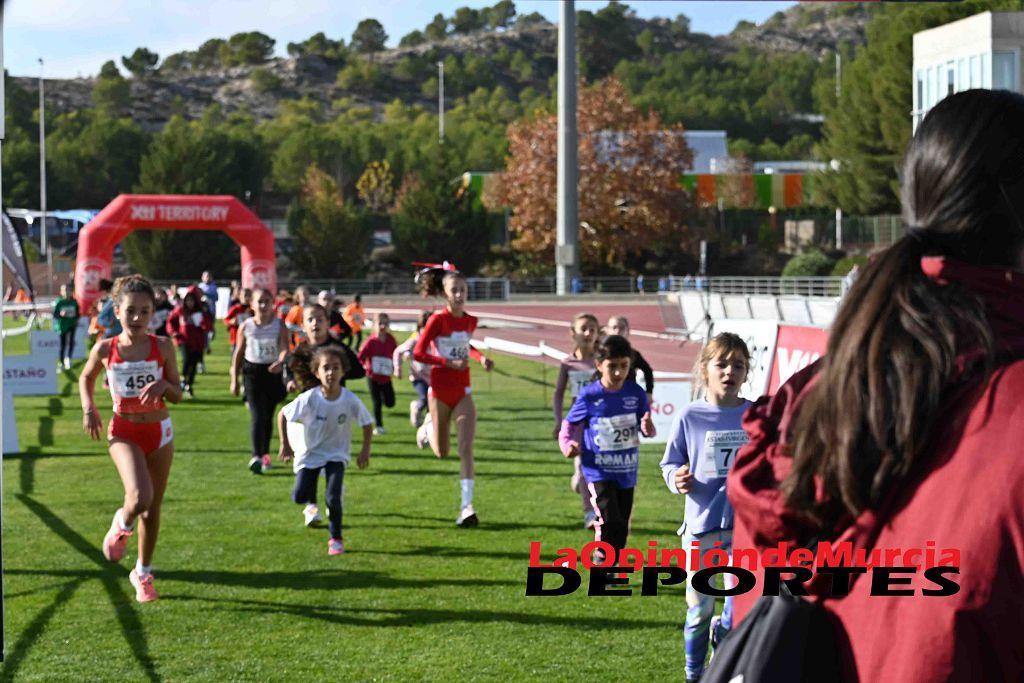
182,327
384,349
967,495
234,318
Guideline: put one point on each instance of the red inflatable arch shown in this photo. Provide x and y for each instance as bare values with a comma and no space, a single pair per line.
129,212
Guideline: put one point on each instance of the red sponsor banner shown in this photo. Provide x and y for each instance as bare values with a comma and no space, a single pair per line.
796,348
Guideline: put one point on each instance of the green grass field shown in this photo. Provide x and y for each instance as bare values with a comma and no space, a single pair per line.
249,594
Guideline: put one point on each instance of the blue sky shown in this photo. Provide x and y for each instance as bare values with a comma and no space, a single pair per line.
75,37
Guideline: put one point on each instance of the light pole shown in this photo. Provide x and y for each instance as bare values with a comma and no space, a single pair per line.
440,101
835,166
42,160
567,225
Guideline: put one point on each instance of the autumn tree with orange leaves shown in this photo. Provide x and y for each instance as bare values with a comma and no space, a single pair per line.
630,198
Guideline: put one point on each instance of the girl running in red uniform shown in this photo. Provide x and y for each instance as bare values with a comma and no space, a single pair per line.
143,374
376,357
444,344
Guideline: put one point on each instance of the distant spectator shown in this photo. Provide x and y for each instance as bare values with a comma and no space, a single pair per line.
65,321
355,316
106,318
640,283
335,319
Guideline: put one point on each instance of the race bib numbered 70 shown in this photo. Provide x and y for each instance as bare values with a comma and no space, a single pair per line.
579,379
128,379
454,346
617,433
720,451
382,365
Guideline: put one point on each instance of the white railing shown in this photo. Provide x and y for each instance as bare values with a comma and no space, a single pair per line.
760,286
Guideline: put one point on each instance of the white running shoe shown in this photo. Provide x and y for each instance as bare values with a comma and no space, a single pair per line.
312,515
467,518
67,363
379,431
423,433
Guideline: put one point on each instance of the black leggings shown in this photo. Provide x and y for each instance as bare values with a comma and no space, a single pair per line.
381,393
263,391
189,362
614,506
67,343
304,492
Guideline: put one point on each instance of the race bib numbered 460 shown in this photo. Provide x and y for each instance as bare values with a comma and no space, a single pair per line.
128,379
617,433
382,365
720,451
454,346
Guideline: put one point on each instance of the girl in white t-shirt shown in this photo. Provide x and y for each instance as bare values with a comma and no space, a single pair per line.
316,428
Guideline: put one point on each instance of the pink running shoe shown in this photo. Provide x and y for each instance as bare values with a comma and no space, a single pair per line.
266,464
115,541
144,591
335,547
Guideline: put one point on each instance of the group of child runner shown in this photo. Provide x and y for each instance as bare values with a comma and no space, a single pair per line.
600,431
315,429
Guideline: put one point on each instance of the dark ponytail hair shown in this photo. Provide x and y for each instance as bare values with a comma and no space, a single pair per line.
430,281
893,349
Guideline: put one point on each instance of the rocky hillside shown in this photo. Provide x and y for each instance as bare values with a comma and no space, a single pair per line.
813,28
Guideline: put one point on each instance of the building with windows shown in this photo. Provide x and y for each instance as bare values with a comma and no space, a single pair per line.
981,51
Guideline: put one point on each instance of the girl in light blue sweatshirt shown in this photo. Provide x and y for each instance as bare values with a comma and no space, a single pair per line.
701,448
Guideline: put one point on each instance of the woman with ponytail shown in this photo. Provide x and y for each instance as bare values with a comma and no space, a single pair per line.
906,434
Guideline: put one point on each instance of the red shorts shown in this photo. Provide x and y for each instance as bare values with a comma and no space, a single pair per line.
450,395
149,437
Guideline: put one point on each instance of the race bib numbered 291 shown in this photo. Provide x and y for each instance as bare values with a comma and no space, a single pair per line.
382,365
128,379
579,379
617,433
720,451
454,346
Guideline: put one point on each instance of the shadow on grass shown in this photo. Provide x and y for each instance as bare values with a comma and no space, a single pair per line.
357,616
16,654
488,473
56,407
444,552
448,522
525,378
113,579
27,468
45,431
339,579
27,465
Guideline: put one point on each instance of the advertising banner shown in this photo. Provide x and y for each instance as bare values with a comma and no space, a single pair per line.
797,348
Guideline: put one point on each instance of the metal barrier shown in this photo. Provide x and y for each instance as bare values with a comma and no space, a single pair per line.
699,309
754,286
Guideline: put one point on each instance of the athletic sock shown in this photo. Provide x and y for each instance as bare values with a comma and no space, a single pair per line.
120,521
466,485
143,569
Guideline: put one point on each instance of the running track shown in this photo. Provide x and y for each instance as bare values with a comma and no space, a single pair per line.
532,323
